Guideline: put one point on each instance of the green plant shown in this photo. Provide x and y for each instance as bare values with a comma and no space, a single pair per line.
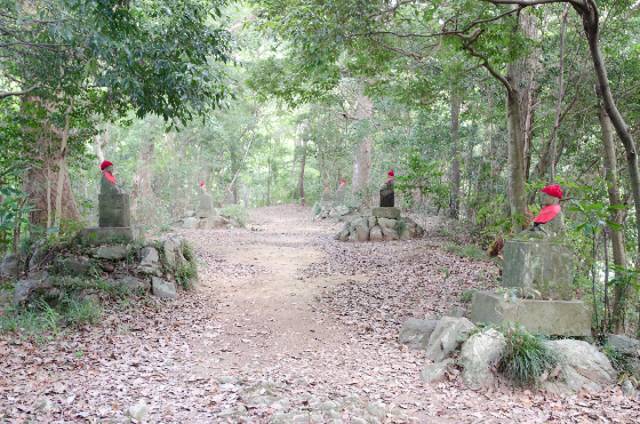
186,274
468,251
466,296
525,357
81,312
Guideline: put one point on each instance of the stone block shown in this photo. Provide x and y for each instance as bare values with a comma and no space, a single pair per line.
106,235
539,265
544,317
205,206
114,210
386,212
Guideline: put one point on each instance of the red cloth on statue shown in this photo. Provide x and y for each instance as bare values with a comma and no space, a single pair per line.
553,190
109,176
547,214
105,164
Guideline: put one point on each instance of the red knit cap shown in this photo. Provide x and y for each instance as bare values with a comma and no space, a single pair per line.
105,164
391,173
553,190
201,183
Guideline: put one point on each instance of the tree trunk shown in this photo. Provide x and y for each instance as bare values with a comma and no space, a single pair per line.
517,182
589,13
620,291
454,171
303,161
363,154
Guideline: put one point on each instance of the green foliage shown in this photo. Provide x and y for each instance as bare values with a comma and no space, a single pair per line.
525,358
13,214
619,361
427,178
466,296
186,274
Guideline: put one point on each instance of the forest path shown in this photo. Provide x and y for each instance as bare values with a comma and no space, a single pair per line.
286,325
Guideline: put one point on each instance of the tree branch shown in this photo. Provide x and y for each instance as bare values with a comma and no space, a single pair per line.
17,93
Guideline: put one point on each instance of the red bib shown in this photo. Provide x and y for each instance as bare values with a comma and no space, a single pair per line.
109,176
547,214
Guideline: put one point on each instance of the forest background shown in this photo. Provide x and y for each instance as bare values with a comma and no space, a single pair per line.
475,104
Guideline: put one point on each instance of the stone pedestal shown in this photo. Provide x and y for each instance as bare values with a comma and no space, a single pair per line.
106,235
545,317
539,265
542,270
114,210
386,212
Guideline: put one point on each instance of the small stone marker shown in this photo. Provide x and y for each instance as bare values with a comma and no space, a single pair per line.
386,212
205,203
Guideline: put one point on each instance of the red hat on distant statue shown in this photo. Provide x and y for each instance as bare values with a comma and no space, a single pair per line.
201,183
553,190
391,173
105,164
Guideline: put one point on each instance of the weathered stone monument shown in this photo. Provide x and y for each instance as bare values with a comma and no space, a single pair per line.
205,203
114,219
537,280
384,223
387,195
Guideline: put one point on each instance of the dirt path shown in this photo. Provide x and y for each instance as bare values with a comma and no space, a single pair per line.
286,325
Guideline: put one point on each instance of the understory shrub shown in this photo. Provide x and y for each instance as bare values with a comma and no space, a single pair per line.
525,357
236,212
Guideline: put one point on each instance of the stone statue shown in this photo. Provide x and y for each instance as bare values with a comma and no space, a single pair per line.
387,197
548,222
205,202
113,200
339,198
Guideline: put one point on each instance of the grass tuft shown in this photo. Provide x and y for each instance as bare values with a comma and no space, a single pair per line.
525,358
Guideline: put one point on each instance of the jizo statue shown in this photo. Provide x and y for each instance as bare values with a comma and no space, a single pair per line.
387,197
113,200
549,220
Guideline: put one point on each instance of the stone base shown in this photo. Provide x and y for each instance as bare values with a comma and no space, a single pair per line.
544,317
106,235
114,210
386,212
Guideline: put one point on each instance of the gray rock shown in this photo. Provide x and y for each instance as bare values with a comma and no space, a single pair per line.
190,222
375,234
163,289
9,266
132,283
189,213
150,263
361,229
582,366
479,355
114,253
73,265
386,223
26,289
625,345
628,389
138,411
172,249
456,311
447,336
214,222
340,210
415,333
436,372
372,221
343,235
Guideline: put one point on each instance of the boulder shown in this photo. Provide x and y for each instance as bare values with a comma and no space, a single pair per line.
449,333
213,222
172,248
150,263
375,234
479,356
436,372
343,235
372,221
625,345
361,228
112,253
73,265
133,284
163,289
26,289
9,266
415,333
339,210
582,367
